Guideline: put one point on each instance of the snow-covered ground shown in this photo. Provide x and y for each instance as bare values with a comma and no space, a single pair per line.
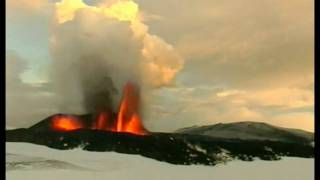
10,127
27,161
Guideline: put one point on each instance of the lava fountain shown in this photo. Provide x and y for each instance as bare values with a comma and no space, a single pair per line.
66,123
127,120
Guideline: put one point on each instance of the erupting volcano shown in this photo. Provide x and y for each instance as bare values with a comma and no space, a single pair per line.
123,132
127,120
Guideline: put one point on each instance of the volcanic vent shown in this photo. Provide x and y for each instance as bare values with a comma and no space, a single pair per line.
126,120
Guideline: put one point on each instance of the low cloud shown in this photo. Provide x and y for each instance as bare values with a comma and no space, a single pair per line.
34,7
26,103
180,107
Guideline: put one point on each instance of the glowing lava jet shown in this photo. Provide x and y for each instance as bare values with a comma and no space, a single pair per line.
66,123
128,118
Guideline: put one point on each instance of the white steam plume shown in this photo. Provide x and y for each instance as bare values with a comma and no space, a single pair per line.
97,49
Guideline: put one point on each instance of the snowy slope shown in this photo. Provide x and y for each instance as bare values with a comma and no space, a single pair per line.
28,161
10,127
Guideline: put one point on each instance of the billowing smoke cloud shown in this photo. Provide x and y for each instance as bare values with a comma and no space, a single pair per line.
97,49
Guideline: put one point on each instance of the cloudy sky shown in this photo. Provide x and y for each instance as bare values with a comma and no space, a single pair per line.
243,60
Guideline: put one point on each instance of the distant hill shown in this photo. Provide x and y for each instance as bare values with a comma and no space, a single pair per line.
250,131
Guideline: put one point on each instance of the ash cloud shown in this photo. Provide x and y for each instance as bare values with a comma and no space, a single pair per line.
95,55
85,61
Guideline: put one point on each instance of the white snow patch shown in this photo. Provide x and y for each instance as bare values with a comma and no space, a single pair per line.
197,148
115,166
223,156
312,143
10,127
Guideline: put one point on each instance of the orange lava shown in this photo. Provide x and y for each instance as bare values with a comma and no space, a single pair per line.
101,121
127,120
66,123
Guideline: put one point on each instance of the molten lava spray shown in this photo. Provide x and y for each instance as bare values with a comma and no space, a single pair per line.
102,121
66,123
128,118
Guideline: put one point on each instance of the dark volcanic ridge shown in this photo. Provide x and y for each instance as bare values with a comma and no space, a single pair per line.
248,130
175,148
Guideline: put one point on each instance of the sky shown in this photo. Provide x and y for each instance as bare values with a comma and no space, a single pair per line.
242,61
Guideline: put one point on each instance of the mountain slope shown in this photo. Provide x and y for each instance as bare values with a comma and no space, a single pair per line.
250,131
